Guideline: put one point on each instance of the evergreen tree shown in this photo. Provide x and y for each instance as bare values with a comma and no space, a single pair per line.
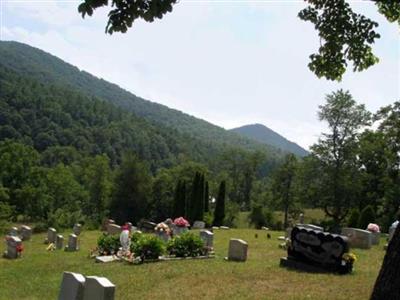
206,198
354,217
219,212
180,199
367,216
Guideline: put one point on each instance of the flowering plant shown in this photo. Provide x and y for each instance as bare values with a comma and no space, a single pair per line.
373,227
181,222
349,257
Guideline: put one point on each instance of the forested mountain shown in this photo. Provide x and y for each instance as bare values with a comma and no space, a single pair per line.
45,68
267,136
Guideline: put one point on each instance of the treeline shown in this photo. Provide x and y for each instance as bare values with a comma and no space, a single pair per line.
352,172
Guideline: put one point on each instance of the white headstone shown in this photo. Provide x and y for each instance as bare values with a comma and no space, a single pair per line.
98,288
237,250
199,225
207,237
26,233
77,229
59,241
72,243
358,238
224,227
113,229
72,286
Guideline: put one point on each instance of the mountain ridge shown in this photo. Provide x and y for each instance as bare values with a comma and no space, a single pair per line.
263,134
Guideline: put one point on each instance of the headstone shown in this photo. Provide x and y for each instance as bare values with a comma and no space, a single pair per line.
72,243
314,250
72,286
288,232
376,237
113,229
77,229
237,250
392,229
311,226
26,233
215,227
13,231
199,225
59,242
106,258
207,237
98,288
147,226
163,235
358,238
301,219
178,230
224,227
51,235
13,244
105,224
264,228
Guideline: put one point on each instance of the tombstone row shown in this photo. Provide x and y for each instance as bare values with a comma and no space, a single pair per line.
58,239
75,286
24,232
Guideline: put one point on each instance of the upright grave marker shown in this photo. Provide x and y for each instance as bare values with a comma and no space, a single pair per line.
59,242
77,229
358,238
14,247
317,251
72,243
98,288
207,237
113,229
72,286
51,236
26,233
237,250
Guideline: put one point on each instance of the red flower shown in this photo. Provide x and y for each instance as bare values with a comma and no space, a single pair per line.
20,248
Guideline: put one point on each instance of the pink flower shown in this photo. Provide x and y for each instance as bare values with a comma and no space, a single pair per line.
181,222
373,227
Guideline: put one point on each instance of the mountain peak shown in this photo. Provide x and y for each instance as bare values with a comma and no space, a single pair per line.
265,135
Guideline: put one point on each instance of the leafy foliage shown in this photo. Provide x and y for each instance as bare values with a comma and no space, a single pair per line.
186,245
148,247
108,244
219,212
367,216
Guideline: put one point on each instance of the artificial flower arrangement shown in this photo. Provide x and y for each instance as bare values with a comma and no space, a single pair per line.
162,227
349,258
181,222
373,228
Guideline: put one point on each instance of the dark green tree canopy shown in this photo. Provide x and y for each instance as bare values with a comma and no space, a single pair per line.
125,12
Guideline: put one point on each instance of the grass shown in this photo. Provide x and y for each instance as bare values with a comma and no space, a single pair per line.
37,275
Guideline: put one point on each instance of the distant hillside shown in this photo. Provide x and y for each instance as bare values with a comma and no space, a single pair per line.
267,136
168,134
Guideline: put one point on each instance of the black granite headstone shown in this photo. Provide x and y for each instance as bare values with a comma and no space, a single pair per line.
317,250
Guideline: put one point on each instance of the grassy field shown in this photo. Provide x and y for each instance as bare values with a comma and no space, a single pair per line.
37,275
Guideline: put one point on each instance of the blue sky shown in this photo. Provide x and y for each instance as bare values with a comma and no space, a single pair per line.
229,62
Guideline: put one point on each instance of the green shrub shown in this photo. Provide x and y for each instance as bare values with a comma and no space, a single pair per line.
261,216
353,218
186,245
108,244
148,247
135,237
367,216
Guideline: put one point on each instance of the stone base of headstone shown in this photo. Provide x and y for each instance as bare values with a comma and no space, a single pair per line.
292,263
107,258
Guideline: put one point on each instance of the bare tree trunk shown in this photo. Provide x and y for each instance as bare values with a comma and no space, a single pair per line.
387,285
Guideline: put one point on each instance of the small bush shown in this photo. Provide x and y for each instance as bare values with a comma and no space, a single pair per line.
135,237
367,216
186,245
353,218
148,247
261,216
108,244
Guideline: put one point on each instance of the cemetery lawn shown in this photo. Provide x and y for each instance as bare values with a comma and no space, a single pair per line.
37,275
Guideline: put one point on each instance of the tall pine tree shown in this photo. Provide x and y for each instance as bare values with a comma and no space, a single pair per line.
180,199
206,198
219,212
